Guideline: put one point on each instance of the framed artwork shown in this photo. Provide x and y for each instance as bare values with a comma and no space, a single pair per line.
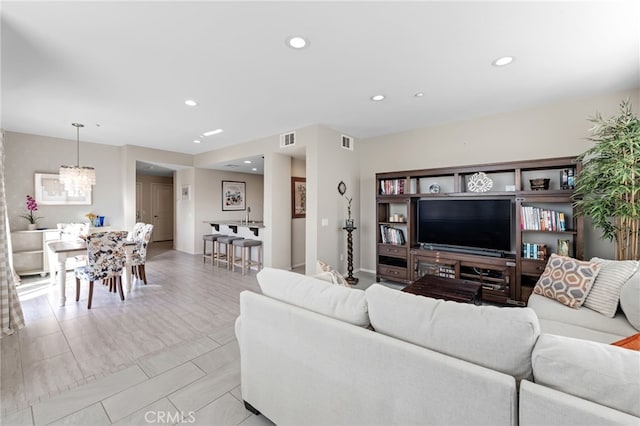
233,195
298,197
50,191
185,192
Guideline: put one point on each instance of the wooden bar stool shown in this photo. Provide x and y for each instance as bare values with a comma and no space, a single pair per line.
245,261
212,255
227,256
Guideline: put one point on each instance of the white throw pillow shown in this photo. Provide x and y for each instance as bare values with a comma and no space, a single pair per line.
335,301
630,300
605,292
325,272
601,373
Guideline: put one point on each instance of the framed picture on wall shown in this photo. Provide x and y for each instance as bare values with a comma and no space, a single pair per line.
298,197
50,191
233,195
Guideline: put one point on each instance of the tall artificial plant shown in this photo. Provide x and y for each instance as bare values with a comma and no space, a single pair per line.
608,186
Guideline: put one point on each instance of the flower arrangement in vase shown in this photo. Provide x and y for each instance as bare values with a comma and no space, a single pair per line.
32,206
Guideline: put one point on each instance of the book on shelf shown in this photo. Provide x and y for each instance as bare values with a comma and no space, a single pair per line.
391,235
534,251
392,186
539,219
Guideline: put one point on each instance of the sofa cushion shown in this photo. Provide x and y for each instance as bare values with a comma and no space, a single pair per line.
549,309
342,303
604,374
498,338
567,280
630,300
605,292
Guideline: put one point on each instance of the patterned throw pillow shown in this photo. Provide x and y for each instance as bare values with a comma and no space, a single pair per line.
567,280
605,293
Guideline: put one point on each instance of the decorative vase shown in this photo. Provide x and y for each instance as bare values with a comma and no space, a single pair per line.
31,226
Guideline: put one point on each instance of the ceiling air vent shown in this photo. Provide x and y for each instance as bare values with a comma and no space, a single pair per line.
231,166
347,142
287,139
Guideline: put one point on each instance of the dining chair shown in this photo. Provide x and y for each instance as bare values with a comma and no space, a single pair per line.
105,261
139,255
136,230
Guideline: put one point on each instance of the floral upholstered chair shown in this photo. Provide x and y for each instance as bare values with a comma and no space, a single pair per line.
139,255
106,258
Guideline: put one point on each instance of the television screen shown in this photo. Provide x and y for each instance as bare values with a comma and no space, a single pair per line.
474,223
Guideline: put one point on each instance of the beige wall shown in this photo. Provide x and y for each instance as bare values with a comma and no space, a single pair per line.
552,131
27,154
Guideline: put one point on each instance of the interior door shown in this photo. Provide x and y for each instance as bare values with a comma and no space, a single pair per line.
162,211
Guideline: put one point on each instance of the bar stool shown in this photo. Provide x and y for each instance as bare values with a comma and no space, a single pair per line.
212,255
227,242
244,261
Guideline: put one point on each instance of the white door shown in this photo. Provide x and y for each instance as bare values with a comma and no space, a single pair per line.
162,211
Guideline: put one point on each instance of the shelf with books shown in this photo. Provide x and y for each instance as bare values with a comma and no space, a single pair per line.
543,218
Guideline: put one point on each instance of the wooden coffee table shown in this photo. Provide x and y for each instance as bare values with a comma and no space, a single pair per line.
447,289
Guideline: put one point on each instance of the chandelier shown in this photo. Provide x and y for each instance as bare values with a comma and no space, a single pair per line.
77,180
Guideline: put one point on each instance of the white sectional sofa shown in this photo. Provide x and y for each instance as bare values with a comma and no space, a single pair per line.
316,353
585,323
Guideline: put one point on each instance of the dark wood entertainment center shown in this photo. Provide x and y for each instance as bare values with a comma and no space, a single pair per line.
544,222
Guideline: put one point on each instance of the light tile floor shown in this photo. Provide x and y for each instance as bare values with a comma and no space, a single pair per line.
166,355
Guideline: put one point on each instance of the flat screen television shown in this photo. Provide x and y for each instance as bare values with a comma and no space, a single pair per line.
484,224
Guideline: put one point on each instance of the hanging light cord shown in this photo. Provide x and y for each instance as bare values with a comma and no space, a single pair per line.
77,126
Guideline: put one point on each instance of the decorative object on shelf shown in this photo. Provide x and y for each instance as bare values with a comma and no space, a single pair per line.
434,188
298,197
479,182
233,195
95,220
608,186
539,184
77,180
567,178
32,206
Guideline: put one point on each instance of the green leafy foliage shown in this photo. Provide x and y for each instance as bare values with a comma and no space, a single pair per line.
608,186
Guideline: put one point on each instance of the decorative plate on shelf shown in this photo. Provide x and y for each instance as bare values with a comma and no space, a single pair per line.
479,182
434,188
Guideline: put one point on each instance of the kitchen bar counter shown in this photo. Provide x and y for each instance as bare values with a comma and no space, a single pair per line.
254,226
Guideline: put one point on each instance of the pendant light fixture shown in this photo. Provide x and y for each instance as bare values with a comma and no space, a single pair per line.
77,180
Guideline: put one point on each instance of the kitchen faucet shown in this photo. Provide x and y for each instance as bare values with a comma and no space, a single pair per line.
246,219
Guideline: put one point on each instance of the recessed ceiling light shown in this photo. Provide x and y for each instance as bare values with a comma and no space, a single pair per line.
377,98
419,95
190,102
254,169
196,141
501,62
212,132
247,161
297,42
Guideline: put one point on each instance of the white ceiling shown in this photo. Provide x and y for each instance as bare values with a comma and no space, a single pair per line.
129,66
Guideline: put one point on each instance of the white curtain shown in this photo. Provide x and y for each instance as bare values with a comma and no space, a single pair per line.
11,317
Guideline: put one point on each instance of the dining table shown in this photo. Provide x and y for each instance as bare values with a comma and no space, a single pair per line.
61,250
